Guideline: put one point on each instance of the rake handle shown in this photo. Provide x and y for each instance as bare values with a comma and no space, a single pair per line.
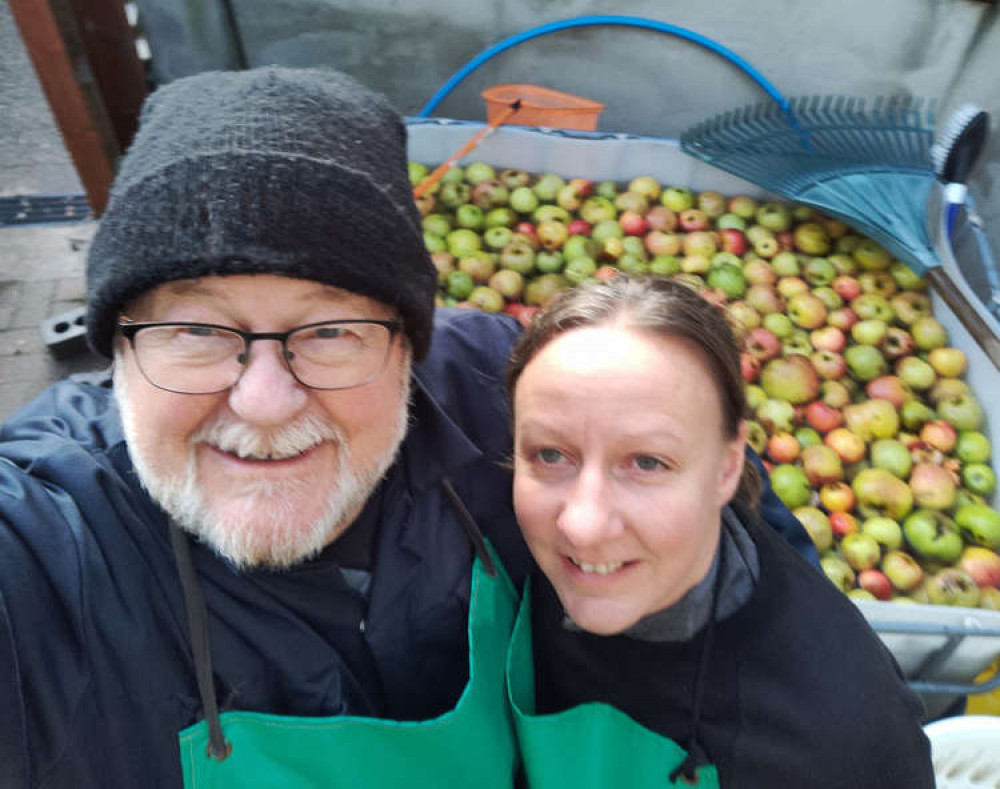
438,173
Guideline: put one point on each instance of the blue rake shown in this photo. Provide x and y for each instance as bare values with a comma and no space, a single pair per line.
864,162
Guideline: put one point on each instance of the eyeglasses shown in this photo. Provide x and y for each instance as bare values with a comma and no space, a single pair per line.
202,358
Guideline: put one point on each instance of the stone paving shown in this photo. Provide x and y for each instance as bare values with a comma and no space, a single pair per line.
41,266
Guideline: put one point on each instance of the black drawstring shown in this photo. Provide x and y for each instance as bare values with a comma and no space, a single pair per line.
197,618
471,528
696,757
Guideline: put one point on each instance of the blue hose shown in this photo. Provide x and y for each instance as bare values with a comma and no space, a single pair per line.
593,21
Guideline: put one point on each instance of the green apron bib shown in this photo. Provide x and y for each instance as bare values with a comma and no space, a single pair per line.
591,746
472,745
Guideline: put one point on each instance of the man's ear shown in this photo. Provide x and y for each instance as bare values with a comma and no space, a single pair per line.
732,465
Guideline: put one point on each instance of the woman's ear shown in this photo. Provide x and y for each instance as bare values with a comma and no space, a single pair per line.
733,458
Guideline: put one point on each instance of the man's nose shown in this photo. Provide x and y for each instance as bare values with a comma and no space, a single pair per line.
589,514
267,393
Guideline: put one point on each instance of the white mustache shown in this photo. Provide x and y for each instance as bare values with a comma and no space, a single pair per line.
246,441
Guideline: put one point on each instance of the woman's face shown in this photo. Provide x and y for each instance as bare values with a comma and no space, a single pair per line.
621,470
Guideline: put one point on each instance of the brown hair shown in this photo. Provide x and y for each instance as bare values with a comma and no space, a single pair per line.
659,306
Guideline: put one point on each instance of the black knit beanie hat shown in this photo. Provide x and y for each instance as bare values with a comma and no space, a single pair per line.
295,172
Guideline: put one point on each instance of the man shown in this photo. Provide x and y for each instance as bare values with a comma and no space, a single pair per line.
270,511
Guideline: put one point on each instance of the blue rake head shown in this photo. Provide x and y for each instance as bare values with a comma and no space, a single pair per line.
865,163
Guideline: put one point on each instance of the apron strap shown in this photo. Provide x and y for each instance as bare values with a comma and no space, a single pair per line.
695,755
197,618
471,527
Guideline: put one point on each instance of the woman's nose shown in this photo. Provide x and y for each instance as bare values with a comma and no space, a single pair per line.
267,393
589,514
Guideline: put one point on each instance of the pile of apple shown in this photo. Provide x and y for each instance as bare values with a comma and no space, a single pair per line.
859,408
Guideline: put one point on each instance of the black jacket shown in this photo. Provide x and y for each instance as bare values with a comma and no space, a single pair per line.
798,691
96,673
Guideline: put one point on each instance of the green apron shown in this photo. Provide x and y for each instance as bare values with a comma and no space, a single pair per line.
589,746
472,745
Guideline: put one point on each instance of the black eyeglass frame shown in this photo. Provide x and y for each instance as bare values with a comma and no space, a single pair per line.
130,328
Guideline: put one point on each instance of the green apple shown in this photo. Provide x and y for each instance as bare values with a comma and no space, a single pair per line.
917,373
973,447
778,323
902,570
890,454
786,264
963,411
870,256
980,524
817,525
861,551
807,437
886,532
790,485
933,535
880,493
865,362
915,414
729,279
979,478
838,572
906,278
872,419
952,586
460,285
791,378
928,333
756,436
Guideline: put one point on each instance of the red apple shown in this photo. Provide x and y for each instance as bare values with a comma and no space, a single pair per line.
983,564
831,366
843,523
848,288
897,343
632,223
822,417
891,388
849,446
837,497
834,393
876,582
762,344
661,218
828,338
693,219
842,318
733,241
939,435
821,465
933,486
658,242
579,227
749,365
783,447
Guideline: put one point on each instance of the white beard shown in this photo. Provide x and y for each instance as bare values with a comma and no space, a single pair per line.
243,537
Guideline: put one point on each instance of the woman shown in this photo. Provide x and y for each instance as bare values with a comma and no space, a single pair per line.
677,639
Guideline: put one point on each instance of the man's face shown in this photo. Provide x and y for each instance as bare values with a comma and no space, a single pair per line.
269,471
